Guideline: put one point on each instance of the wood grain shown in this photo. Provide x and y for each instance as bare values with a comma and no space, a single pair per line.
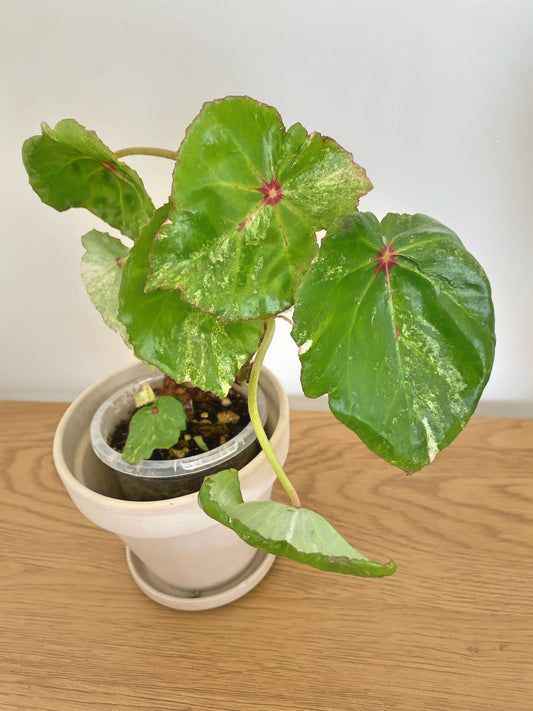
451,631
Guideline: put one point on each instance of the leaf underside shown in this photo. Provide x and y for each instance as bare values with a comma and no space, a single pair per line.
247,198
395,322
295,533
69,166
181,340
101,272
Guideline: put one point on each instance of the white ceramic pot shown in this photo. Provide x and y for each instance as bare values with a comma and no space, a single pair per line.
177,554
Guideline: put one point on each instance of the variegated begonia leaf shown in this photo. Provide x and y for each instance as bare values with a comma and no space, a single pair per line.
69,166
248,197
101,271
181,340
395,322
296,533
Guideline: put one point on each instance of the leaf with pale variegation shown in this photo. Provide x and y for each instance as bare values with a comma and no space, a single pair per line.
184,342
395,322
248,198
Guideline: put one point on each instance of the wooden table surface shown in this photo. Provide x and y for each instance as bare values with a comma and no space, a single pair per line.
452,630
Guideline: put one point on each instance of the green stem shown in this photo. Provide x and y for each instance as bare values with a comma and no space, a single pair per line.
256,420
141,151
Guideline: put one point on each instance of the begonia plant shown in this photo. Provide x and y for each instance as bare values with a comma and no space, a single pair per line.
392,319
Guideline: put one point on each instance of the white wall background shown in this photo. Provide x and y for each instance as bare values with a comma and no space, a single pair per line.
433,97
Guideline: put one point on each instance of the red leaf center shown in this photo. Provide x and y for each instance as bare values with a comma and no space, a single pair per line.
271,191
386,259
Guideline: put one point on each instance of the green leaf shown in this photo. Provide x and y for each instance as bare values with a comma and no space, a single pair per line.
101,271
299,534
184,342
155,426
69,166
145,396
248,198
395,322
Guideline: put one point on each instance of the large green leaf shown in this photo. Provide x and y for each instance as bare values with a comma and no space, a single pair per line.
101,271
69,166
184,342
248,198
296,533
155,426
395,322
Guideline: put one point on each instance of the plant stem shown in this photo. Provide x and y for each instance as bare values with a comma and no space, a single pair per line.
256,420
141,151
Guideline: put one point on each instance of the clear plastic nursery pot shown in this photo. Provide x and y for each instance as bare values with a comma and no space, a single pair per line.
177,554
154,480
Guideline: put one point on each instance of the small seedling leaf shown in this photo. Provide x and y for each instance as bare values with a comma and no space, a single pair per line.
155,426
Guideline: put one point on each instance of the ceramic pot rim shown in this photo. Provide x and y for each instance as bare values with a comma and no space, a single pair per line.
271,387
